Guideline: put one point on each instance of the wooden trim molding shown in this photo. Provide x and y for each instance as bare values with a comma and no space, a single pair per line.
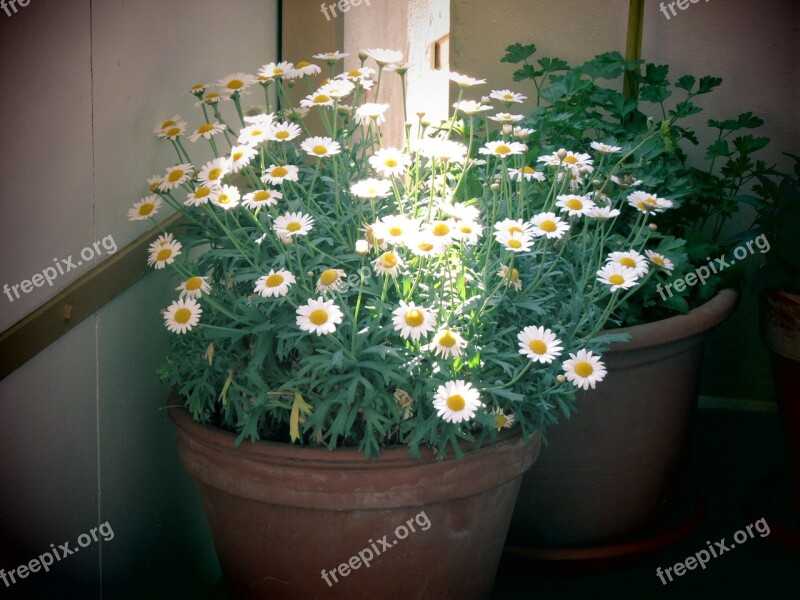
82,298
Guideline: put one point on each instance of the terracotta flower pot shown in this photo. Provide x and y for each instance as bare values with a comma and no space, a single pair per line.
298,522
609,469
780,328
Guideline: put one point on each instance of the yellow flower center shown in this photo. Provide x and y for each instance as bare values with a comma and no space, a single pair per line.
354,73
301,64
261,195
274,280
214,173
456,402
651,201
318,317
500,421
425,246
328,277
182,315
467,229
279,172
574,204
395,231
198,87
508,96
584,369
202,192
388,260
224,199
538,347
193,283
627,261
175,175
441,229
570,160
278,71
415,317
548,226
282,135
502,149
205,128
658,260
319,150
166,124
211,97
163,254
528,170
515,244
514,229
294,226
173,131
237,156
146,209
616,279
154,186
390,162
256,132
321,99
235,84
448,340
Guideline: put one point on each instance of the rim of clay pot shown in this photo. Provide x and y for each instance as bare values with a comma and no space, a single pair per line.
697,321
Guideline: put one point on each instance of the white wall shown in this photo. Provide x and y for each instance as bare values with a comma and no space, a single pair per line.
81,434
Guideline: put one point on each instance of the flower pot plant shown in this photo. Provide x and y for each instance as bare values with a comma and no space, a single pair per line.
613,467
368,340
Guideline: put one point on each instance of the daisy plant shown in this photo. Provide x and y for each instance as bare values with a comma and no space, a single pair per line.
334,289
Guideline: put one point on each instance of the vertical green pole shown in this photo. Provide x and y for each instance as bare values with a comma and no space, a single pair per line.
633,47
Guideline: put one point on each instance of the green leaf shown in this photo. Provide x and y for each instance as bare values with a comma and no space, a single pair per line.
686,83
718,149
516,53
708,83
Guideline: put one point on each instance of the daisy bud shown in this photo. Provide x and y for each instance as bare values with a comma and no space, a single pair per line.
582,171
401,70
495,187
362,56
310,273
420,114
560,378
618,243
425,123
287,241
562,154
596,183
653,226
362,247
485,100
507,129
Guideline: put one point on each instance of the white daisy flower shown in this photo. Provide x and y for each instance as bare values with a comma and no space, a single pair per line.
227,198
526,173
442,231
303,69
660,260
331,280
211,98
602,213
182,315
176,176
444,150
390,162
569,160
617,276
383,56
456,401
320,146
283,132
511,226
467,232
277,174
369,112
388,263
465,81
318,98
163,251
202,194
503,149
145,208
605,148
422,243
647,203
356,75
290,224
413,321
631,259
539,344
319,316
471,107
523,132
369,189
503,420
511,278
574,205
447,343
507,118
194,287
260,198
275,70
584,369
198,88
263,120
241,156
549,225
172,132
167,124
213,171
337,88
154,183
254,134
331,56
461,211
274,284
515,242
507,96
207,131
236,83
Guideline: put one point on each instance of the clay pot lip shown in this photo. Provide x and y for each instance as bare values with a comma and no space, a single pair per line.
395,456
697,321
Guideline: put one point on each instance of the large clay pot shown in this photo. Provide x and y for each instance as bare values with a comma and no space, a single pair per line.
780,327
299,522
609,469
